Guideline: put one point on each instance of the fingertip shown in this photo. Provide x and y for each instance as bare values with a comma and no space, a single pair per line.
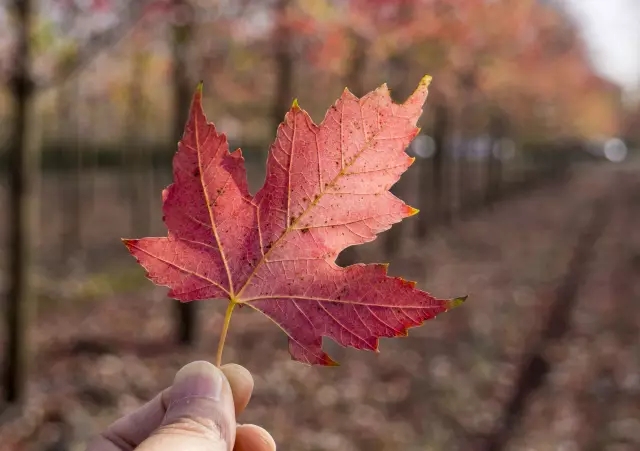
241,383
199,379
200,412
250,437
237,371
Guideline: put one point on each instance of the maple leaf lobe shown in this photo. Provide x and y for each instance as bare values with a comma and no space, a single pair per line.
326,188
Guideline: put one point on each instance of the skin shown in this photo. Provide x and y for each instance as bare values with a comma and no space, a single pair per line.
197,413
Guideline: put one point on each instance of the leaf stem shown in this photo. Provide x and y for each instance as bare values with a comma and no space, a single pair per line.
225,329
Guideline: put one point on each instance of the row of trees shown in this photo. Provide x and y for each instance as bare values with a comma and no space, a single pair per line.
500,68
24,81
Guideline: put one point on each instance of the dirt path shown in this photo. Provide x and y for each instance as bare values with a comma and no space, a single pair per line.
592,397
445,386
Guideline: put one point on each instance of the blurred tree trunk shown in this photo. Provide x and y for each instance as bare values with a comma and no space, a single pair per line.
399,65
64,113
441,191
432,188
23,177
355,83
182,93
136,157
72,239
468,87
91,149
358,65
494,159
462,174
283,63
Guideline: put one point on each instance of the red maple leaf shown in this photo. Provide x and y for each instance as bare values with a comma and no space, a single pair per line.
326,188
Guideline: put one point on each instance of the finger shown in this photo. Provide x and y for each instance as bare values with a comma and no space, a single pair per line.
250,437
200,413
241,383
129,431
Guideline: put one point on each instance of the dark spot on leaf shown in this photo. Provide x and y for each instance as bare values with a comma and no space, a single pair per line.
305,230
196,172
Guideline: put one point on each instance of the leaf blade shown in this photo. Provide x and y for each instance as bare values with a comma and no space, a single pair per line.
326,188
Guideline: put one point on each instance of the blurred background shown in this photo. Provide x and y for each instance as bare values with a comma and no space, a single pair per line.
526,174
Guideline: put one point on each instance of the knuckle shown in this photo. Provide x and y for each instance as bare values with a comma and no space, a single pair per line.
195,426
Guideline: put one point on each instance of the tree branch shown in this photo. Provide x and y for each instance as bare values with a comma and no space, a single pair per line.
130,16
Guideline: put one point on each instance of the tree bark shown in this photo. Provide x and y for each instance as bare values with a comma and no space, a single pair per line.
22,183
182,92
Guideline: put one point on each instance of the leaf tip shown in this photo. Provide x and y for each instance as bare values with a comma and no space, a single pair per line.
128,242
455,302
295,105
199,87
412,211
328,361
425,81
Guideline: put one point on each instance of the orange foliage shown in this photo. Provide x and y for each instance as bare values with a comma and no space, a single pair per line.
524,57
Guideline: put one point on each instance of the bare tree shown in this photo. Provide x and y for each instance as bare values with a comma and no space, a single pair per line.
182,32
283,62
22,177
399,85
431,190
399,65
127,17
498,131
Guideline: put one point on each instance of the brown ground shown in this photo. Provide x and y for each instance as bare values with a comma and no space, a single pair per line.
444,387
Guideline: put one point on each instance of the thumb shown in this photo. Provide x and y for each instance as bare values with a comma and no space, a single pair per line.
200,413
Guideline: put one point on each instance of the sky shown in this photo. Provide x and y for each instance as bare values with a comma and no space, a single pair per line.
612,31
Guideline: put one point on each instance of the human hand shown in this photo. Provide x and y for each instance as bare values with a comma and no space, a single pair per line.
197,413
